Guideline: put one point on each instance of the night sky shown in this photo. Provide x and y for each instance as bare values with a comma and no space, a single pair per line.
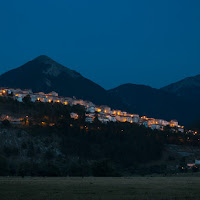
152,42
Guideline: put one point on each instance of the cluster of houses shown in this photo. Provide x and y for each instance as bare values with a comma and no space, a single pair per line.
105,114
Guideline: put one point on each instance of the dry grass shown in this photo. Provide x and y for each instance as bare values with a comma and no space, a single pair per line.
135,188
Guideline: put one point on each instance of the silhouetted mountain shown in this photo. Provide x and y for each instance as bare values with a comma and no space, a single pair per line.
44,74
188,88
145,100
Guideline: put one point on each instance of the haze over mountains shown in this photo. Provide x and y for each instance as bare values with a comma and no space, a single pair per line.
175,101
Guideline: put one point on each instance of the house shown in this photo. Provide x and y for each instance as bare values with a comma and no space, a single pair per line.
129,119
89,119
181,129
173,123
33,97
74,115
78,102
105,109
19,96
118,118
39,97
68,100
89,104
145,123
136,119
103,119
156,127
116,112
113,118
124,113
90,109
27,91
135,115
98,109
163,122
53,94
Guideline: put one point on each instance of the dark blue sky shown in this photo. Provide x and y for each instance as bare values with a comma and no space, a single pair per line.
153,42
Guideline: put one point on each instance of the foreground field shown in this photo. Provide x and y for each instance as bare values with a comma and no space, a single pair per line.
135,188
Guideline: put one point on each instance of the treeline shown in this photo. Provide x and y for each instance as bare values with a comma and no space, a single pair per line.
40,112
75,148
72,150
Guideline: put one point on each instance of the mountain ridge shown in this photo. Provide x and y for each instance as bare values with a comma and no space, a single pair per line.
45,74
152,102
188,87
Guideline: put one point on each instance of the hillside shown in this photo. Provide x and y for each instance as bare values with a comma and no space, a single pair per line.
156,103
171,102
48,142
44,74
188,88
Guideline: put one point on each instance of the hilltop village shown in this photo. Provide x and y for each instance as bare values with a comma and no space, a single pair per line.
104,113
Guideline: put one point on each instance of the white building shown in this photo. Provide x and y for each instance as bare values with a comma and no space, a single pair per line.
90,109
156,126
105,109
74,115
103,119
89,119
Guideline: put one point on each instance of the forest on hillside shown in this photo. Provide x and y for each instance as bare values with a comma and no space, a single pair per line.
50,143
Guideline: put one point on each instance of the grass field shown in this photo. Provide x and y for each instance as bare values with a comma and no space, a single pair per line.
134,188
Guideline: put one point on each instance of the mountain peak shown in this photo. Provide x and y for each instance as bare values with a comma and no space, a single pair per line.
45,59
51,67
42,57
44,74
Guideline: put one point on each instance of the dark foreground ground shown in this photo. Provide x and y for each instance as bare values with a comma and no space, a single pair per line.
144,188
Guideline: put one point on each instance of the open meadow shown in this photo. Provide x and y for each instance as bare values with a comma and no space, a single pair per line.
133,188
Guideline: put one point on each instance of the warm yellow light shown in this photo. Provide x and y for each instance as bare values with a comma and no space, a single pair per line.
99,110
105,111
65,103
38,99
58,101
49,100
4,91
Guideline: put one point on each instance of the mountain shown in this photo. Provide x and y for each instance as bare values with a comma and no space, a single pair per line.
156,103
188,88
44,74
